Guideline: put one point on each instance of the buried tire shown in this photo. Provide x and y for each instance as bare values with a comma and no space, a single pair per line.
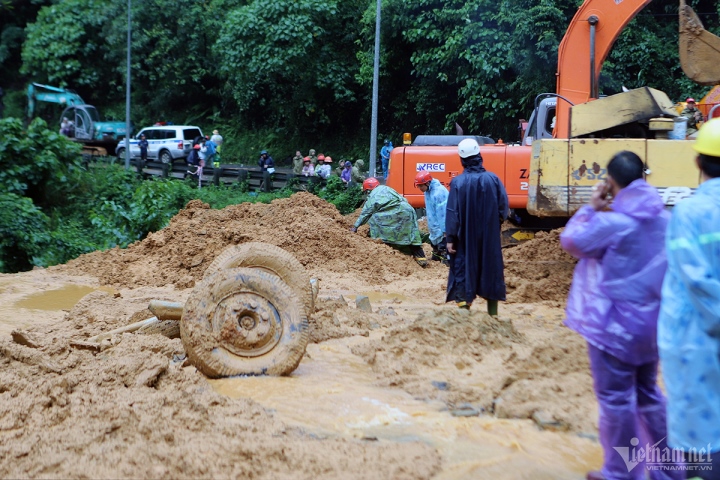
272,259
244,321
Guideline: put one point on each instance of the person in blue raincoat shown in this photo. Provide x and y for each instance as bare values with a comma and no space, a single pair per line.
477,206
436,196
613,303
385,157
689,323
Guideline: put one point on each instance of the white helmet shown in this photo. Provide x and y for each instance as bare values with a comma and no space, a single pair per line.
468,148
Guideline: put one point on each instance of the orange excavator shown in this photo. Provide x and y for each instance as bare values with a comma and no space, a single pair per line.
573,133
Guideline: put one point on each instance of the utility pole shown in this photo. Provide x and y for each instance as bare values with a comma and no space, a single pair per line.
127,89
376,81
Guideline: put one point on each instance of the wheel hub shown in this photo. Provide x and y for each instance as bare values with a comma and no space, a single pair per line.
247,324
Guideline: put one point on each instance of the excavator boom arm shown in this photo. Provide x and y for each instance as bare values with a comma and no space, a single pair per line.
585,46
45,93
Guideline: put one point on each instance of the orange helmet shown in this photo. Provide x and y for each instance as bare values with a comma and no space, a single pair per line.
321,157
327,159
422,177
306,159
370,183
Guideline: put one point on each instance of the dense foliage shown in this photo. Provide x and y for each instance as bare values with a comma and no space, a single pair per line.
279,75
288,74
56,208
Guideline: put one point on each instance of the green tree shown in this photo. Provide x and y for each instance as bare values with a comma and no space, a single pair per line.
66,46
289,64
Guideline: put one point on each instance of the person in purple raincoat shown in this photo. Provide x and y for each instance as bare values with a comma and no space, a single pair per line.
614,303
346,174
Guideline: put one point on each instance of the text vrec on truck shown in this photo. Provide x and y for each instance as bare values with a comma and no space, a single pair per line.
573,133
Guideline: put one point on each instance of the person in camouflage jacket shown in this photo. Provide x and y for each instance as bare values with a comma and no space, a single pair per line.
392,219
297,163
357,175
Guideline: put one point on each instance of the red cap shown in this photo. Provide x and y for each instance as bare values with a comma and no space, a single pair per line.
690,99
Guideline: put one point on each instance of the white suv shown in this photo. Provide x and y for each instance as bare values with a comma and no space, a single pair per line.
165,143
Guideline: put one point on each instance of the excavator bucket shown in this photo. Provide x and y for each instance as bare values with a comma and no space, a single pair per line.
699,49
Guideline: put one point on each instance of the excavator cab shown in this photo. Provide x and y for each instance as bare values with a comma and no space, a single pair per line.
84,117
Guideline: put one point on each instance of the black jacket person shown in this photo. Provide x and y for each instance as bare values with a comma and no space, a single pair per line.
477,206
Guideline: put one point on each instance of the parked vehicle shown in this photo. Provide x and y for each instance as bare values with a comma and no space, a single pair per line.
166,143
96,135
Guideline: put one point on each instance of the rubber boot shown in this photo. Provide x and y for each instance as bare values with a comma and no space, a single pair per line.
492,306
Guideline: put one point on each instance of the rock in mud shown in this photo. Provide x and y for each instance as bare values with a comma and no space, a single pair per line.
363,303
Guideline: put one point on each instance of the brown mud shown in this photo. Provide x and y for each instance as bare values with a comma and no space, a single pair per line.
133,407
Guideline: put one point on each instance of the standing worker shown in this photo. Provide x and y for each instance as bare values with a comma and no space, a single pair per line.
218,140
689,323
436,197
297,163
477,206
385,157
692,114
392,219
356,174
267,167
614,303
143,145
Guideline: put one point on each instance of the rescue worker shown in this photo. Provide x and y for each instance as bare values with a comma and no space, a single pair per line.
346,173
392,219
267,166
356,175
436,196
217,139
297,163
477,206
385,157
143,144
689,323
692,114
307,170
614,303
266,162
323,169
313,156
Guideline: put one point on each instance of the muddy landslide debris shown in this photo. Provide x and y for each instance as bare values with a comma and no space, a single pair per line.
132,410
304,225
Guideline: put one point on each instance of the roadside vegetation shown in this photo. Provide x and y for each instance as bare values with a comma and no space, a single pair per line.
56,208
280,75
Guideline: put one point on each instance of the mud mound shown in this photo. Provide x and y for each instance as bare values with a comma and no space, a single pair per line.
131,410
552,382
334,318
539,270
304,225
452,340
471,360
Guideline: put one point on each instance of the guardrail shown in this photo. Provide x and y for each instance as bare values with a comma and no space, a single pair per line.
227,175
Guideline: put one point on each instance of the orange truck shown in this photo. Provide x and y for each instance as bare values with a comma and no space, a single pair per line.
572,134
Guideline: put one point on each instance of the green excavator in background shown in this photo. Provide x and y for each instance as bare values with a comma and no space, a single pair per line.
97,137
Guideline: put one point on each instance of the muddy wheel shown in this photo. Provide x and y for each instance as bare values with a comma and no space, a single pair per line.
272,259
244,321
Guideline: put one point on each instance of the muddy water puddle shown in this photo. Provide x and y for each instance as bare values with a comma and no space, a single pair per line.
61,299
19,299
332,393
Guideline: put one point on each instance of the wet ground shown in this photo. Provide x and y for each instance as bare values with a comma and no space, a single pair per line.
412,388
